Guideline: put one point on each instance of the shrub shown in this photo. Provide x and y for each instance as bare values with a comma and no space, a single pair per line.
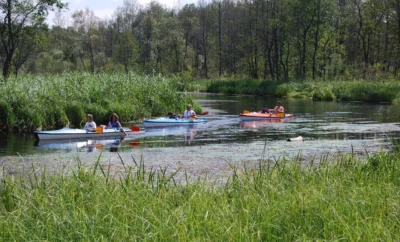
75,113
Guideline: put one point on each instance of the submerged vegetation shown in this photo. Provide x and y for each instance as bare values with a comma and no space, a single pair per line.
343,198
349,90
52,101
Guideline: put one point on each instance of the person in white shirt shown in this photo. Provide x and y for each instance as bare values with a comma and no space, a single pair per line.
90,125
189,113
278,108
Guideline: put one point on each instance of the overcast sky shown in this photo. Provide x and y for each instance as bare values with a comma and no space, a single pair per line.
105,8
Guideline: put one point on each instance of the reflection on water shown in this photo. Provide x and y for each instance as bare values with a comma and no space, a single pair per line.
259,123
154,137
113,145
323,123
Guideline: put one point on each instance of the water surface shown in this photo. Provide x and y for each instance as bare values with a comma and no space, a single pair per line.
325,126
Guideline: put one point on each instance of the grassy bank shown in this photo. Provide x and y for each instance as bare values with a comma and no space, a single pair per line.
353,90
53,101
343,199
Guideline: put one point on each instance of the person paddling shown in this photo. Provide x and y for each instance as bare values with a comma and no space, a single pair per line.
189,113
114,123
278,108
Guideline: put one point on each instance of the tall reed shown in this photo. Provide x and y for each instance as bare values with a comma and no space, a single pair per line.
52,101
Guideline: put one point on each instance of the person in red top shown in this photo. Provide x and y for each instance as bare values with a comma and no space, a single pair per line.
278,108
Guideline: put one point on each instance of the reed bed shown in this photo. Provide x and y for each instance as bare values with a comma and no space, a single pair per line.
341,198
347,90
30,102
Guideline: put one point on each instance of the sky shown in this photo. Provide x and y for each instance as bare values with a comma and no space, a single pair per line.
105,8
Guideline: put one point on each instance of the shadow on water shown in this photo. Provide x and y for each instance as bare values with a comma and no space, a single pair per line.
322,124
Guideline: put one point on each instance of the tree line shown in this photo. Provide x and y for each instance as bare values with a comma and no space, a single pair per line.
269,39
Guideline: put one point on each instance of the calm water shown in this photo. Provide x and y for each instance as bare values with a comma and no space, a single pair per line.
322,124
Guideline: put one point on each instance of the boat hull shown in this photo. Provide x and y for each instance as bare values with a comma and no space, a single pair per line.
67,133
260,116
167,122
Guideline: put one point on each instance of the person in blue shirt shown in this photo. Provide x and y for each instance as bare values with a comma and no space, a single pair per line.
114,123
265,109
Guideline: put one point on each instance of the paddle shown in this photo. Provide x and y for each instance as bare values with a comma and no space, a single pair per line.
99,130
192,118
203,113
246,111
135,128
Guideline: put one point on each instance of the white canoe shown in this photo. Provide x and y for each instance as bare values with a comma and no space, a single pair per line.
166,122
67,133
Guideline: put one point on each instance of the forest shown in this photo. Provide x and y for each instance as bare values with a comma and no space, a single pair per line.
260,39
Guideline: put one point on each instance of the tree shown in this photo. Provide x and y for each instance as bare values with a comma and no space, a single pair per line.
86,24
33,41
18,15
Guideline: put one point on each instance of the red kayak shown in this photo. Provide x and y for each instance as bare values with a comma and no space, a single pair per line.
251,116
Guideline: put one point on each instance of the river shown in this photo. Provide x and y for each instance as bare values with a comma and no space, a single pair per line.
327,128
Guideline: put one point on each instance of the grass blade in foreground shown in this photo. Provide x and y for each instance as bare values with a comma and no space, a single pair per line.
345,198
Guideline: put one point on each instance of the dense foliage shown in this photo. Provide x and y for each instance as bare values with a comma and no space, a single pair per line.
342,198
347,90
269,39
54,101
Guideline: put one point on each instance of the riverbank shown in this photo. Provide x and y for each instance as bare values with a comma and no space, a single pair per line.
50,101
387,91
342,197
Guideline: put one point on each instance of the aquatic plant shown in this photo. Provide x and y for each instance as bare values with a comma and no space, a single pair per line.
323,94
339,198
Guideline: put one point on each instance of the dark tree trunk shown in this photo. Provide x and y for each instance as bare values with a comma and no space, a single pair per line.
316,40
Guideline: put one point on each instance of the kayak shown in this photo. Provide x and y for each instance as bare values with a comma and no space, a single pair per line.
67,133
251,116
165,122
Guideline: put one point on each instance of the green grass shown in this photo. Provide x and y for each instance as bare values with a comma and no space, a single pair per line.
53,101
347,90
342,198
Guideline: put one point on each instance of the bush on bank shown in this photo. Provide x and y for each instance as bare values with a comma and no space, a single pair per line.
347,90
344,198
53,101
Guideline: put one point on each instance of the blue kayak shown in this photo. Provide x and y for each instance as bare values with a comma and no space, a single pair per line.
164,122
